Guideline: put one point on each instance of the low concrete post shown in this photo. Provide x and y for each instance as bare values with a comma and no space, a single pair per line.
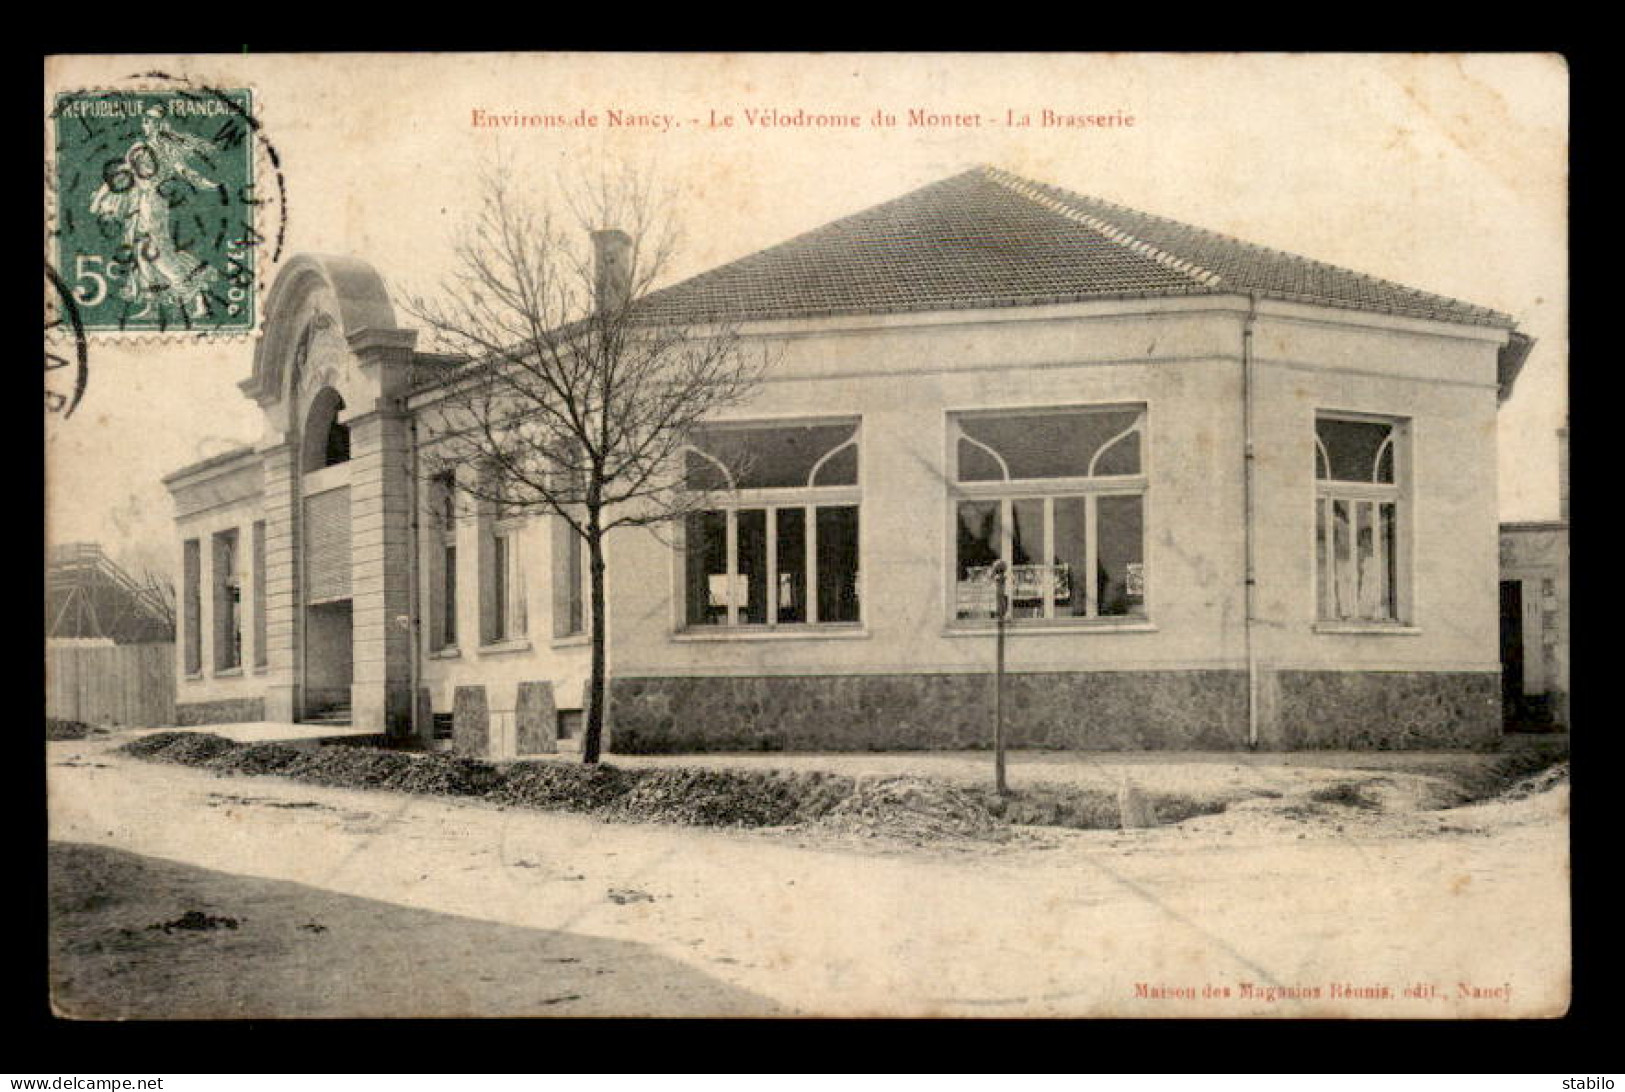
536,721
425,719
471,722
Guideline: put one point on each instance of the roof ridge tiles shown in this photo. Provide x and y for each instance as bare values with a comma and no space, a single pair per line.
1033,192
1451,302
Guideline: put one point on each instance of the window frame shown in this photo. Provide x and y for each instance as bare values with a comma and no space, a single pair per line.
441,507
1401,493
509,586
226,600
569,589
262,650
770,500
1047,491
502,560
191,611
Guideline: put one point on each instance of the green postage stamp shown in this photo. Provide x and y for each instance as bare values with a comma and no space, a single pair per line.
155,225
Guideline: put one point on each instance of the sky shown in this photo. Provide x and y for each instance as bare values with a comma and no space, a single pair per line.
1446,173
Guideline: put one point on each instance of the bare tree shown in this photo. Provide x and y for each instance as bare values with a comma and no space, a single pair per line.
158,592
579,390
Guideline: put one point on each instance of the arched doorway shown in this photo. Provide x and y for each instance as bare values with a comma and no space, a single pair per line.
329,660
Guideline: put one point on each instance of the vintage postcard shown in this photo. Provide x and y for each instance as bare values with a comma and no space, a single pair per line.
870,535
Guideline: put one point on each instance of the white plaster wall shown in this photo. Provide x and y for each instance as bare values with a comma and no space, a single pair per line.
903,375
212,685
903,382
500,668
1446,388
1184,362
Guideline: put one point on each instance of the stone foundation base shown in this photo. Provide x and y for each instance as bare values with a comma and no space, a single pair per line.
225,711
1383,710
1096,710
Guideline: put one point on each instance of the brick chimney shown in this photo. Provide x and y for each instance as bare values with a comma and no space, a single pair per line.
612,268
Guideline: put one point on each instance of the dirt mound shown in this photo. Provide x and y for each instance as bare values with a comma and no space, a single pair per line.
1047,804
912,808
350,767
1489,779
57,728
1533,785
377,739
257,758
554,786
729,798
1403,795
443,775
183,748
337,767
155,745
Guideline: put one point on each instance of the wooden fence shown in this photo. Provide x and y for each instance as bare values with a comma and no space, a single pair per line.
130,685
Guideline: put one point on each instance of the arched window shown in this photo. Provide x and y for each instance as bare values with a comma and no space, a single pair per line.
338,443
326,439
1057,494
1360,516
777,543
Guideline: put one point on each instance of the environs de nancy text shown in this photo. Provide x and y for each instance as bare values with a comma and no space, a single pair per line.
800,118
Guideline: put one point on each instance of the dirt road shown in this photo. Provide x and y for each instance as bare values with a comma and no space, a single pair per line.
179,893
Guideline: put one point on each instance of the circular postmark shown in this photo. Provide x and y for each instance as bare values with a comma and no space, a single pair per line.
169,206
67,369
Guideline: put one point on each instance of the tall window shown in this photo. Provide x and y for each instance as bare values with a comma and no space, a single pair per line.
192,604
569,581
1059,496
262,654
442,538
504,587
777,544
228,603
1359,504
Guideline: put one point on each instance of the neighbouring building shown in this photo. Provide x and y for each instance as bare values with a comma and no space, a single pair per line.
109,640
90,597
1535,614
1246,498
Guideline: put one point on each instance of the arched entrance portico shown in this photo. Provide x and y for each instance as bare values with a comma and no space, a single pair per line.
329,375
328,663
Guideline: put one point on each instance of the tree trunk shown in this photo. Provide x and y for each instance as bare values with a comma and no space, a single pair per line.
592,741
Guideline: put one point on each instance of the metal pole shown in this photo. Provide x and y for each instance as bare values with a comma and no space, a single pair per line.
1000,574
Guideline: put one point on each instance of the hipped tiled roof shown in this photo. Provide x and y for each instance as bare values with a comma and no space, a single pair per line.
988,238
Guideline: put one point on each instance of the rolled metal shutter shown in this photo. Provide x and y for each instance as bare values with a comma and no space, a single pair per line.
327,546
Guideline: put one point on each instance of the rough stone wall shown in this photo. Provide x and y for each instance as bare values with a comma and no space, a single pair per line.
1098,710
1104,710
225,711
1386,710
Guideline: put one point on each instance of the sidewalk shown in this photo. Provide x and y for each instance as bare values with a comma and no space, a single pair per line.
1192,772
262,731
1243,773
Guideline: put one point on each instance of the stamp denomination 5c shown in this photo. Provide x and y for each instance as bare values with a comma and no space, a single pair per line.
154,223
